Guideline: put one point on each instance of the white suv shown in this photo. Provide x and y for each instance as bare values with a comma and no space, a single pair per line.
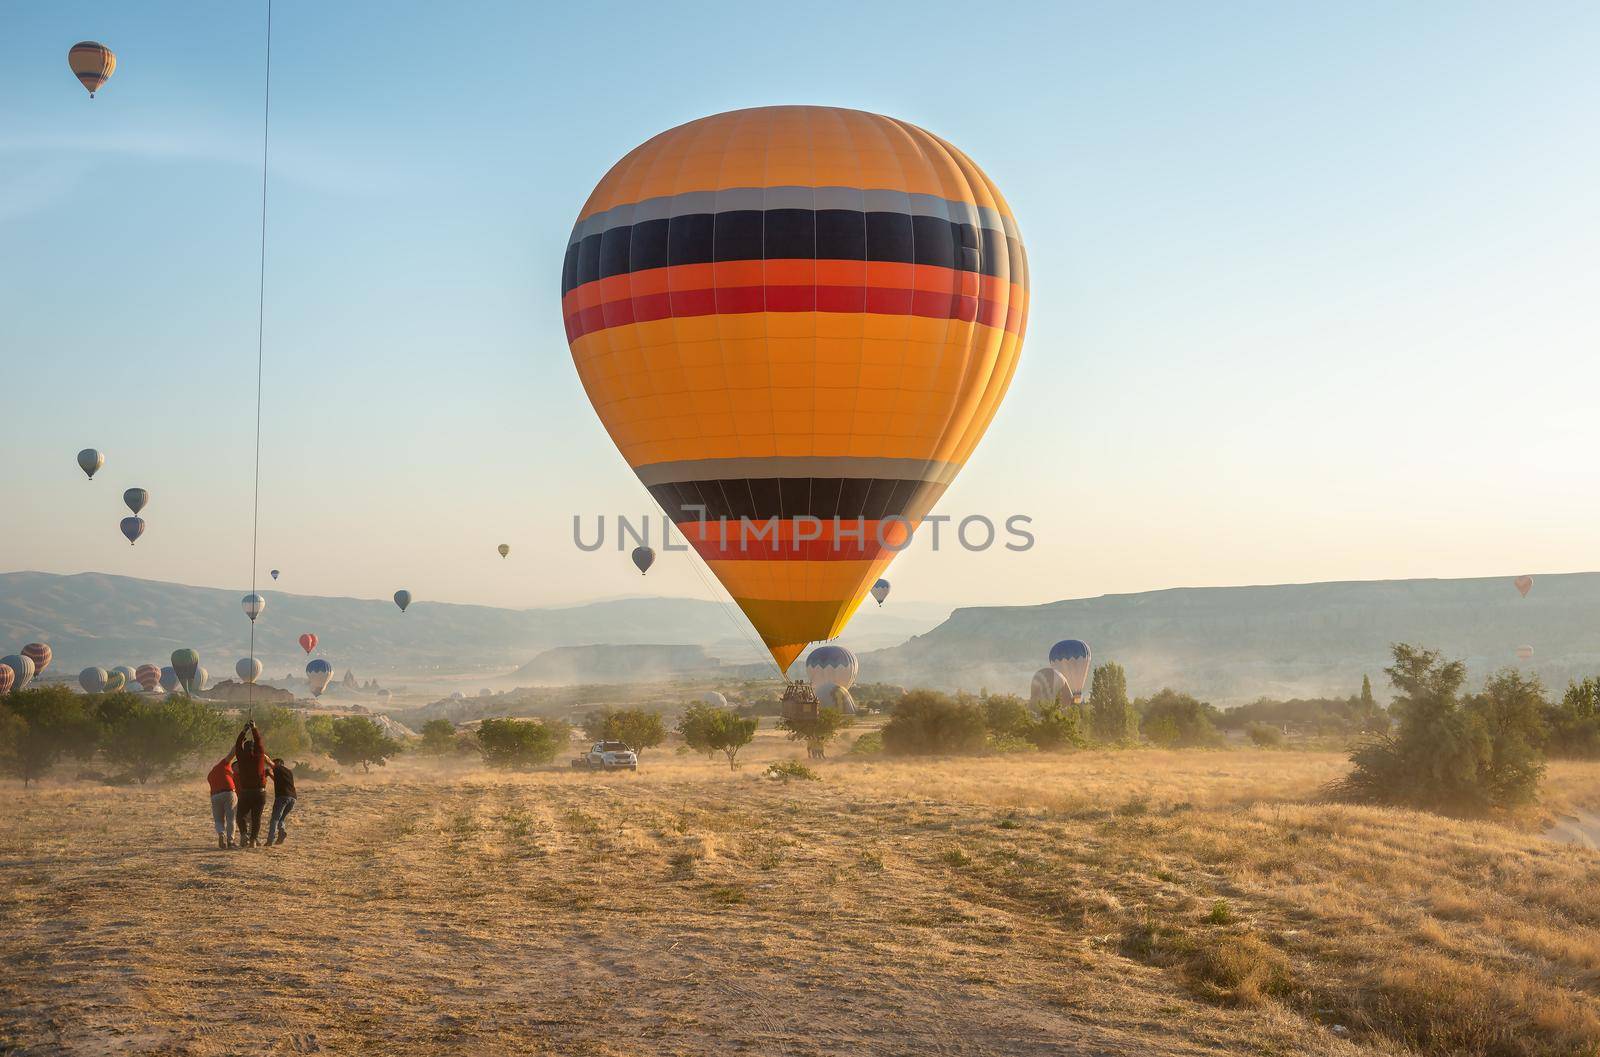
608,756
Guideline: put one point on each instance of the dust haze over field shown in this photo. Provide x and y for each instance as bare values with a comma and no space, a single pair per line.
1133,902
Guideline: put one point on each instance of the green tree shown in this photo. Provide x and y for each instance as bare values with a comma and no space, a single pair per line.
283,730
45,724
711,730
356,740
637,728
1511,709
520,744
1175,720
1112,718
1007,715
818,730
1446,754
926,723
1058,727
1574,723
153,737
438,737
319,729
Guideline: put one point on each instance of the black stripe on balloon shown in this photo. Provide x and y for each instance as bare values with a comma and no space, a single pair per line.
760,498
792,234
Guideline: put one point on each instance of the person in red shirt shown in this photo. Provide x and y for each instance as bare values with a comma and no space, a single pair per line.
251,781
220,779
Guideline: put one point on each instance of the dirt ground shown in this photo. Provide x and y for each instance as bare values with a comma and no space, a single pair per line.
996,906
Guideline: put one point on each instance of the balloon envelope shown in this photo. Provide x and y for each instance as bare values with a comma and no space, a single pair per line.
505,549
402,599
318,672
1523,584
90,461
201,678
187,664
308,642
796,323
133,528
832,666
274,574
248,669
93,680
39,654
1070,657
837,698
1046,687
253,604
136,498
880,591
149,677
643,558
1524,653
714,699
21,670
129,676
7,678
116,682
169,680
92,63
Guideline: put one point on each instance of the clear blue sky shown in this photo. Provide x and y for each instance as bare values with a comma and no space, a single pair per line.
1314,286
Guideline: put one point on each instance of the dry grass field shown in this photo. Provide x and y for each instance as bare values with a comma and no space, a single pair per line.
1138,902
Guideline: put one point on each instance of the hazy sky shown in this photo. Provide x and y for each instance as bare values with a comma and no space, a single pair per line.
1316,288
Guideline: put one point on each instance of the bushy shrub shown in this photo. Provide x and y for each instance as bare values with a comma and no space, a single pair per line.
708,729
42,724
353,740
1058,727
438,736
1175,720
1007,715
1460,757
1265,735
818,730
637,728
928,723
869,744
790,771
1573,725
1112,718
520,744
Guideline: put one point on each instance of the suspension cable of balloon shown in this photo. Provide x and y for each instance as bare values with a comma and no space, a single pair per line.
261,328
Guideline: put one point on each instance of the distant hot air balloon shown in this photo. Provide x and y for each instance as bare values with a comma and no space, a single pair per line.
832,666
1523,584
1070,657
136,498
402,598
1047,687
169,680
201,678
253,605
39,654
133,528
93,680
129,676
880,591
248,669
643,558
837,698
187,664
149,677
1524,653
308,642
21,670
116,682
318,672
714,699
274,574
790,315
90,461
505,549
8,677
92,63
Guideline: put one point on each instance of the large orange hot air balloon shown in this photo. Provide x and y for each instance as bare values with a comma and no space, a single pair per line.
92,64
803,317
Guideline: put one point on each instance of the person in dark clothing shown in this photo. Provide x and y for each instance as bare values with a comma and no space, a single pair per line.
282,802
251,781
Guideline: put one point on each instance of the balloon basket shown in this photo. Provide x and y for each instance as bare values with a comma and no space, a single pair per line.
799,701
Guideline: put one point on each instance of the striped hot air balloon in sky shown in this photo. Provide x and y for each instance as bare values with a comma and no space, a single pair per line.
39,654
92,63
791,313
149,677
